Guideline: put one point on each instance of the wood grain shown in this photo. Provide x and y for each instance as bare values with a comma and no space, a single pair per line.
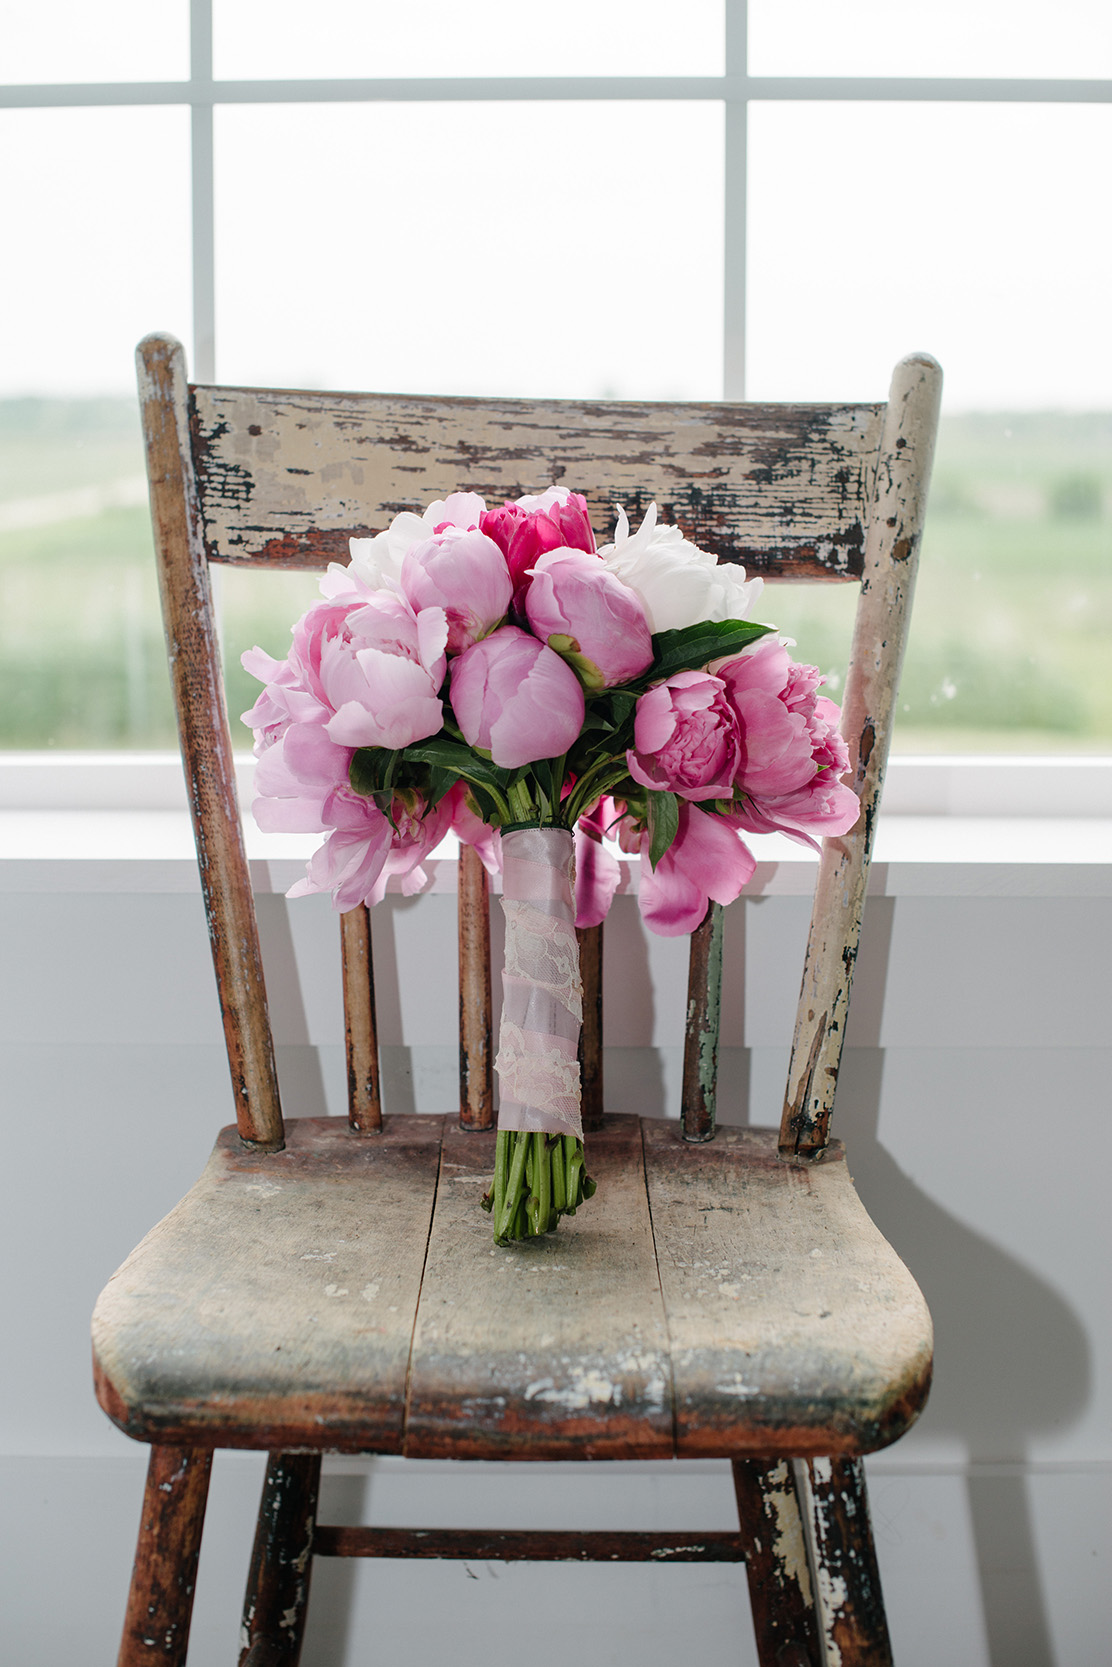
782,489
552,1348
194,655
589,939
530,1546
699,1102
880,634
780,1588
476,1024
274,1306
795,1329
277,1596
853,1626
360,1029
163,1580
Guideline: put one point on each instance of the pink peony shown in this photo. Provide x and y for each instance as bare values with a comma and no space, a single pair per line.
773,707
295,777
416,832
515,699
465,573
597,871
705,860
589,617
792,753
381,674
351,860
527,528
685,738
470,828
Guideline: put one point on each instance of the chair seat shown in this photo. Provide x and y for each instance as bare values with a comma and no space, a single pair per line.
345,1295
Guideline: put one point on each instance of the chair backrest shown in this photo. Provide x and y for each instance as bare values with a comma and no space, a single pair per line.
268,478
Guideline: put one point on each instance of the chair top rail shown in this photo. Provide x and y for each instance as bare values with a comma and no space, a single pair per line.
782,489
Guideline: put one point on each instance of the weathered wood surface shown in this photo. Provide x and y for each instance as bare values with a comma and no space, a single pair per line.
880,634
529,1546
277,1597
699,1097
290,477
553,1348
476,1023
194,656
360,1029
853,1627
274,1306
160,1600
781,1595
589,939
795,1328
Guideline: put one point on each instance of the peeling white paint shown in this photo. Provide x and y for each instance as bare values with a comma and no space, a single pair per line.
335,1290
370,1292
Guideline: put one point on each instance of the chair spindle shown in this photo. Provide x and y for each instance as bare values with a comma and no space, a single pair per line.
590,1038
476,1060
704,1008
360,1029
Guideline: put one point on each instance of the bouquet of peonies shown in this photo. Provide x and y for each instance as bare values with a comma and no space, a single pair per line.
495,674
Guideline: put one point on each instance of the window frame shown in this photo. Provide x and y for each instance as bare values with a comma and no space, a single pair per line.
736,89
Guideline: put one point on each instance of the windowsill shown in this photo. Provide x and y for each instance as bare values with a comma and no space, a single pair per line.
951,827
935,785
152,851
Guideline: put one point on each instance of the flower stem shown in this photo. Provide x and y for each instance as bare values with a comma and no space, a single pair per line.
537,1179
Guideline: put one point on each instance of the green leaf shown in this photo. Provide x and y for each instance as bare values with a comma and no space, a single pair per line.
664,823
459,760
372,770
690,648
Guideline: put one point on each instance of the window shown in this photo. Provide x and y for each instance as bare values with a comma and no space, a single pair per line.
625,197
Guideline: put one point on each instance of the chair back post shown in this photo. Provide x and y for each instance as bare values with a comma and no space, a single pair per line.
892,542
205,741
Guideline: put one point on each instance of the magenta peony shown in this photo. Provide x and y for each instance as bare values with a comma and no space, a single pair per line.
528,528
792,753
705,860
685,738
589,617
516,700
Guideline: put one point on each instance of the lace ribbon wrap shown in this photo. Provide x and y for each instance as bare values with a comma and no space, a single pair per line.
542,996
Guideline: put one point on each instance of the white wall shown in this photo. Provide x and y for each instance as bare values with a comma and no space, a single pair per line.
974,1101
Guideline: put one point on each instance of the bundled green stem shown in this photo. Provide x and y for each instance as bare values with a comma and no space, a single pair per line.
537,1179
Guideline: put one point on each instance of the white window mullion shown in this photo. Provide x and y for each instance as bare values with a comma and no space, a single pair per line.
204,251
735,204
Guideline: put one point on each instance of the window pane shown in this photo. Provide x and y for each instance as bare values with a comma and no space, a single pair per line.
997,264
518,249
270,38
99,203
1072,38
111,40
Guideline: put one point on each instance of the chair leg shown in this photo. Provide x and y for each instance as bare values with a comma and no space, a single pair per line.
160,1602
851,1608
277,1598
780,1592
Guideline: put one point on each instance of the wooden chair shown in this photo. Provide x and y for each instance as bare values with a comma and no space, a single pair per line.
733,1300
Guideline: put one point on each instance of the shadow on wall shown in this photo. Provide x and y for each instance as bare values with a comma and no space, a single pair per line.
1012,1361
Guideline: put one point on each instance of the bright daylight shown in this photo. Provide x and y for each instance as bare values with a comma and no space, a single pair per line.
613,514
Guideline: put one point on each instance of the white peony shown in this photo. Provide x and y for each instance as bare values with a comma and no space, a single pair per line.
678,583
376,563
